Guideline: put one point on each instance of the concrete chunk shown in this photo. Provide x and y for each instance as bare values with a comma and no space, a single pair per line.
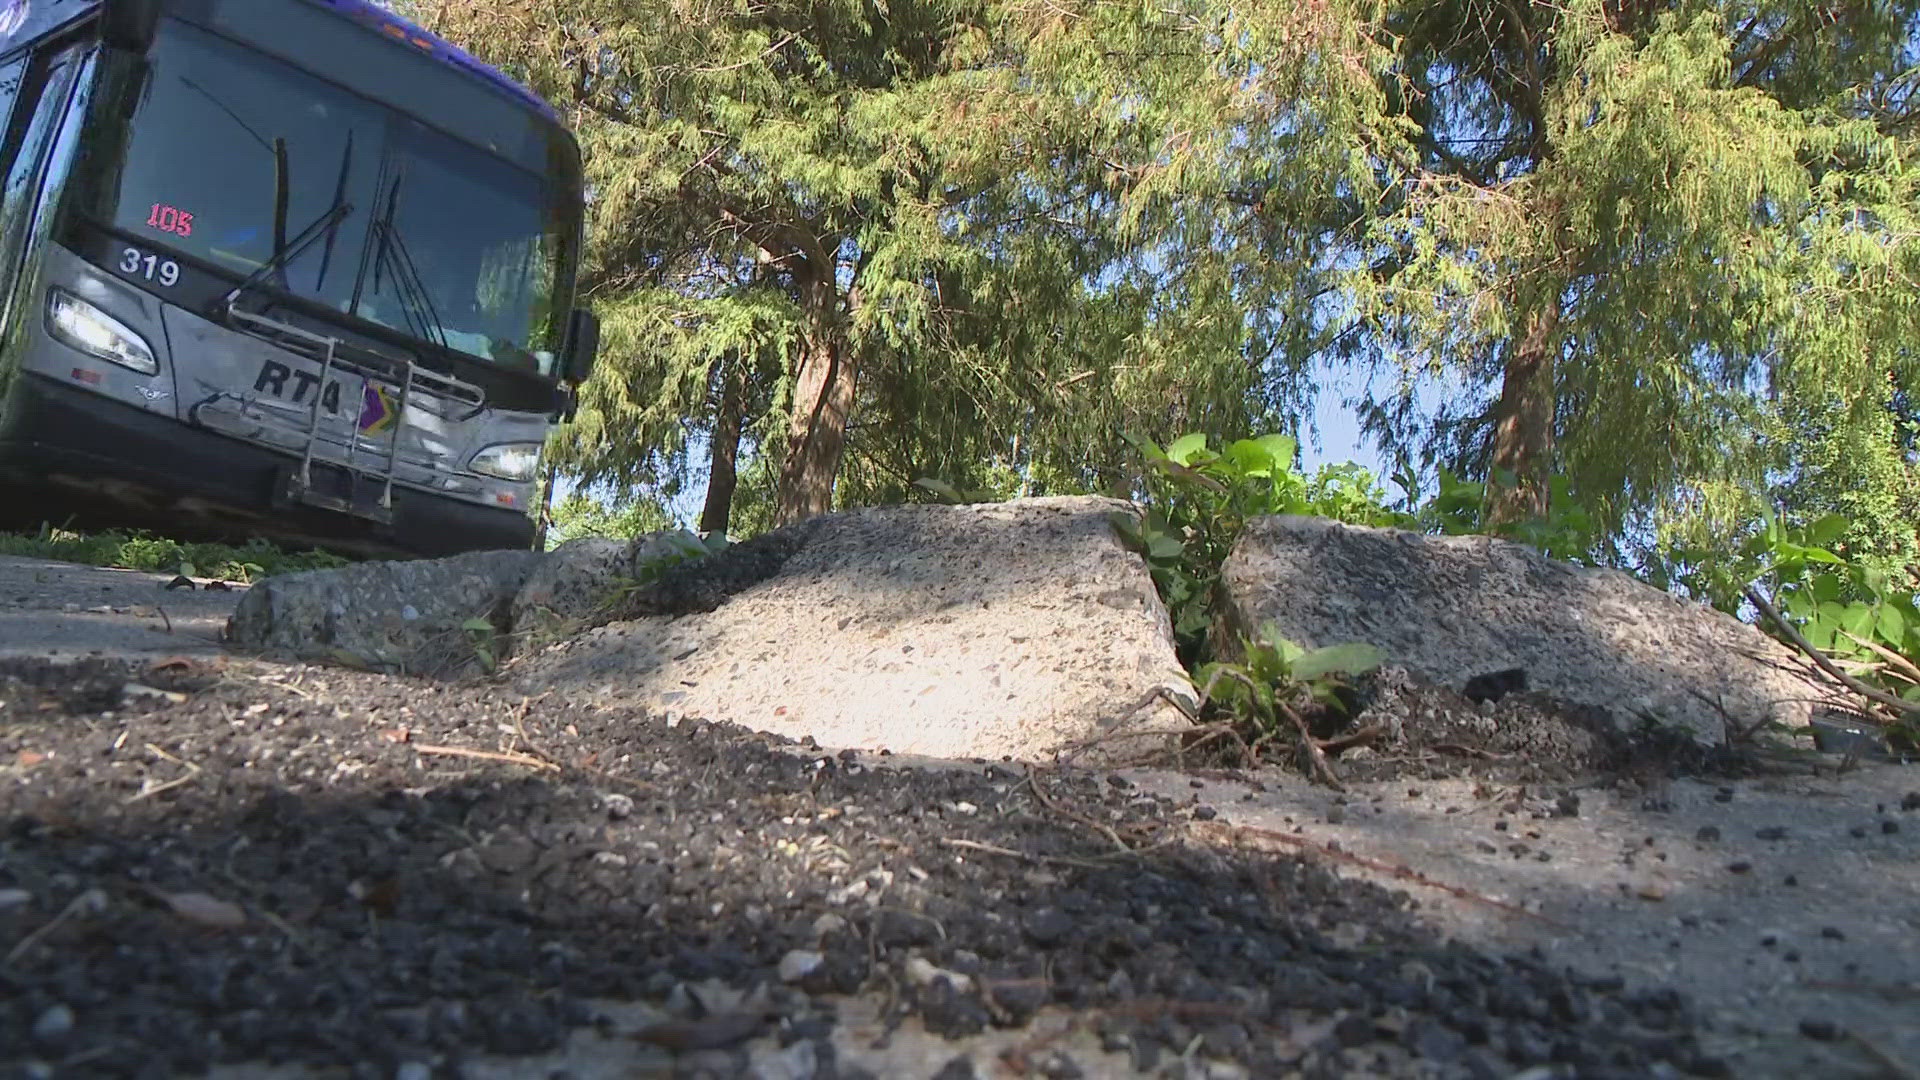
1017,629
1450,609
404,616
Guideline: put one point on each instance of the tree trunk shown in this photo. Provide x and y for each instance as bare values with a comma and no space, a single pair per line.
1523,441
722,474
822,404
545,520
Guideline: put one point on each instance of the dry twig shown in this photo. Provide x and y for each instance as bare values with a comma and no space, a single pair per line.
1399,871
193,771
1033,784
527,760
1316,757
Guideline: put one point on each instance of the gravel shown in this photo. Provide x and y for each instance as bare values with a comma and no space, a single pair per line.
425,874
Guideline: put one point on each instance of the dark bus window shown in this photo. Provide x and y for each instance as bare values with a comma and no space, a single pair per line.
221,136
40,97
231,154
11,75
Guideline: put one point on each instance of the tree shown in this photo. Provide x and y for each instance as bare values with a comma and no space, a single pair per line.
977,241
1649,224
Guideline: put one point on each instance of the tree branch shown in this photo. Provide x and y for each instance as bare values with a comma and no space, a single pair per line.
1826,665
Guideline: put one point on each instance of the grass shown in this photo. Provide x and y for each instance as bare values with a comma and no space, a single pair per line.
157,555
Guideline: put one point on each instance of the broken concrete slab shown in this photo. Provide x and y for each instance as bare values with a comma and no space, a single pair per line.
1455,609
1019,629
403,616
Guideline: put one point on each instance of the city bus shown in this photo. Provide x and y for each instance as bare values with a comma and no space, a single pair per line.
293,269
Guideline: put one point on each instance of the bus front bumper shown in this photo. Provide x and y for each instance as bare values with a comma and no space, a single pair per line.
158,472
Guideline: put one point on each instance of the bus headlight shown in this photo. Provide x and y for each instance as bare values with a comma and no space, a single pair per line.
96,333
519,462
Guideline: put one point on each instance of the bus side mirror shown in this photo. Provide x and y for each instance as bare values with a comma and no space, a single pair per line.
583,345
130,24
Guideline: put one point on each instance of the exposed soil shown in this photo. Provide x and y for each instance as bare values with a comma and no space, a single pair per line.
258,864
1508,734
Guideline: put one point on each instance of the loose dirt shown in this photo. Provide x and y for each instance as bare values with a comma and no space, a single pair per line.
210,864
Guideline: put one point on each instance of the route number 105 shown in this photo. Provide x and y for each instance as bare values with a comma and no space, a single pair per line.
138,263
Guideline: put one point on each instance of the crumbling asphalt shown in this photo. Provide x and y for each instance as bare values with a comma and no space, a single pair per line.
211,864
254,864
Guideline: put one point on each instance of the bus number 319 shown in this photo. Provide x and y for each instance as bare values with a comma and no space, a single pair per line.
151,267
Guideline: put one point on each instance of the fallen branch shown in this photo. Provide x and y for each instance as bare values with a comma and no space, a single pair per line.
527,760
1366,736
1826,665
1316,757
1399,871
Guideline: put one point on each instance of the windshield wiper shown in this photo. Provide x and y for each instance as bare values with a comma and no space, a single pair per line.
324,226
408,286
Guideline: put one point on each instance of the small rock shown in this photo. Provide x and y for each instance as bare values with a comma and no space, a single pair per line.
1771,832
1791,881
1858,832
1820,1030
799,964
1048,927
1910,801
1832,933
1434,1041
828,923
180,581
1725,794
960,1068
1205,813
53,1026
1708,834
13,898
923,972
1889,827
801,1061
1058,1065
1567,805
1770,938
619,807
1336,814
1651,892
1119,781
1740,867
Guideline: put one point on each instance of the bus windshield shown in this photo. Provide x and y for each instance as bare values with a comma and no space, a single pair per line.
234,157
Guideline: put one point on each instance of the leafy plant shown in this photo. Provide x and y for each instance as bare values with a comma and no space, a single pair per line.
1198,500
1279,680
1277,672
483,638
152,554
1852,612
1458,508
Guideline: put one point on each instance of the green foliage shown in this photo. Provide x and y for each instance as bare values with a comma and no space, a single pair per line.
1851,610
674,550
1277,674
1198,500
579,516
484,639
1459,508
152,554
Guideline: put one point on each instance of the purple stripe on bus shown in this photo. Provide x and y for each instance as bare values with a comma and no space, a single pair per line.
374,15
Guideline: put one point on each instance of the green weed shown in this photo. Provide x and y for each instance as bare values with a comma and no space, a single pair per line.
158,555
